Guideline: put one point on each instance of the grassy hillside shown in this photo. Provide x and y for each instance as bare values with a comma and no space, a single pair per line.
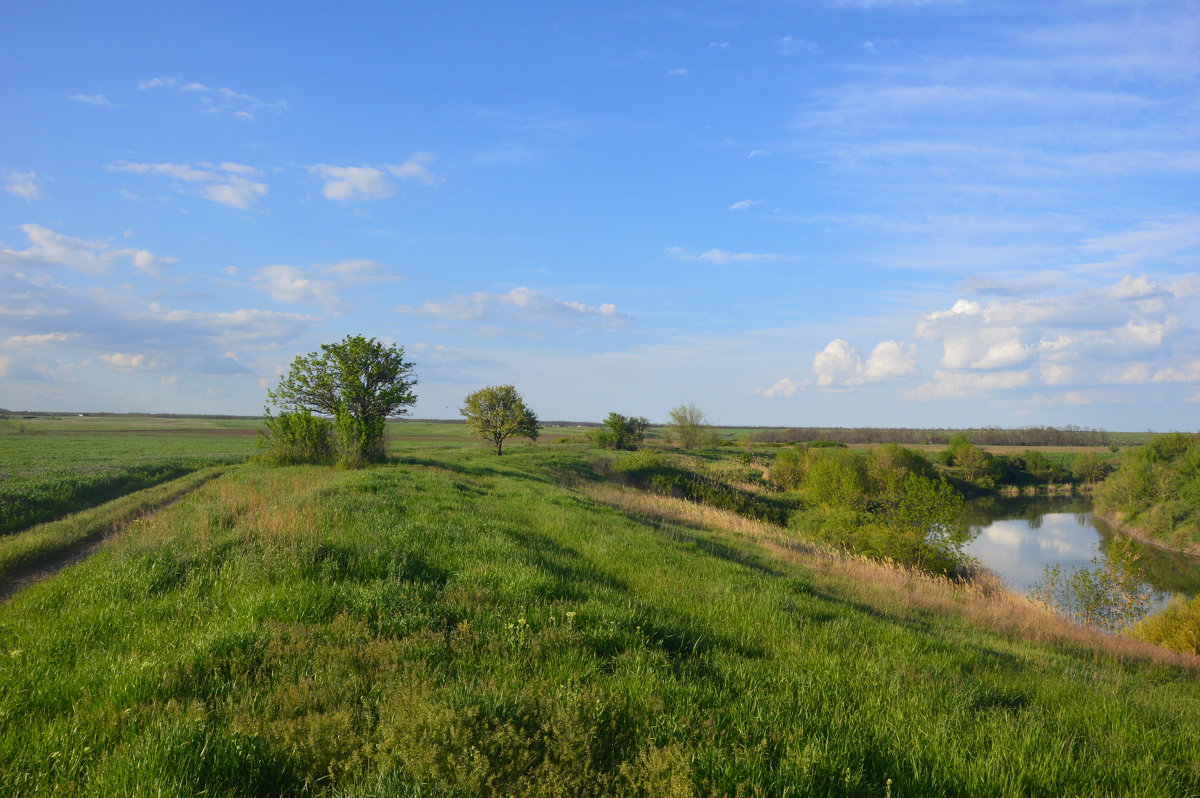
461,624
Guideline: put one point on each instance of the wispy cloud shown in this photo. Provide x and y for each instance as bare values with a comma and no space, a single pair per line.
745,204
791,45
36,341
723,258
218,101
23,185
366,182
130,361
226,183
48,249
90,99
520,306
319,285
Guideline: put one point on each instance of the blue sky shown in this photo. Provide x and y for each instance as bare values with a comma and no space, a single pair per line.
855,212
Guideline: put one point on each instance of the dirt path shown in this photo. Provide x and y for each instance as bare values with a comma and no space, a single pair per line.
21,578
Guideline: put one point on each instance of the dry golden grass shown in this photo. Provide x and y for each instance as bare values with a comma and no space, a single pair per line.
901,592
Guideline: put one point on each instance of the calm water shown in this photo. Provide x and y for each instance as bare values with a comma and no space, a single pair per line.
1018,537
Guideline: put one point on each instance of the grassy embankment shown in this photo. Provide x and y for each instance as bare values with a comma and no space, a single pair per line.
461,624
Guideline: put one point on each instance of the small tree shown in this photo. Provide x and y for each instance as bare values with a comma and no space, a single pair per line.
621,432
358,381
687,425
497,413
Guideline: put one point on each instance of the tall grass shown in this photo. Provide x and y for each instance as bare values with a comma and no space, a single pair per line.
459,624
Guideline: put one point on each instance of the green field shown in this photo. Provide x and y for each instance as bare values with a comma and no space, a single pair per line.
50,467
456,624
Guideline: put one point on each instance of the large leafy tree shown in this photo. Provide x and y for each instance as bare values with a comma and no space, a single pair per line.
360,382
497,413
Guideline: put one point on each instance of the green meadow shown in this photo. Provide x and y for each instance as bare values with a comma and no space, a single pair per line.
452,623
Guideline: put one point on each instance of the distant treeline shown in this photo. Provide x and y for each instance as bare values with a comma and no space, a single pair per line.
984,436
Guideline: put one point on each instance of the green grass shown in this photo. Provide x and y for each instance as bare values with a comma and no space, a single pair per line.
46,541
51,468
457,624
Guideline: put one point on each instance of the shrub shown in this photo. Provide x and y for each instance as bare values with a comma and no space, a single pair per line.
297,436
1110,596
1176,627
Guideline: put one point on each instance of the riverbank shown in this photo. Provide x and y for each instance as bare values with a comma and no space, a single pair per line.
1114,524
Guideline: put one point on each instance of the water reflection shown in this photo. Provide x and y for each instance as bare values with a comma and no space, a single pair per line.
1018,537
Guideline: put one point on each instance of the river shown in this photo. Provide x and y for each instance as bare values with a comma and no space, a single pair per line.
1018,537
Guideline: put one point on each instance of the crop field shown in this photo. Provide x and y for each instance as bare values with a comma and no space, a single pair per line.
51,467
453,623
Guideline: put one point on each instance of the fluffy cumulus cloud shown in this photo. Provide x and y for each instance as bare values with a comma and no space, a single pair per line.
23,185
785,387
522,306
49,249
366,182
1127,332
722,258
972,339
228,183
840,366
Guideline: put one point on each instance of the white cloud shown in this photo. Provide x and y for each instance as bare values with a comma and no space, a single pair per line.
218,101
1189,372
520,305
5,365
318,285
150,264
890,360
48,249
23,185
35,341
960,385
90,99
677,71
360,183
1140,287
130,361
840,366
1057,374
718,45
721,257
785,387
742,205
970,339
790,45
226,183
167,382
